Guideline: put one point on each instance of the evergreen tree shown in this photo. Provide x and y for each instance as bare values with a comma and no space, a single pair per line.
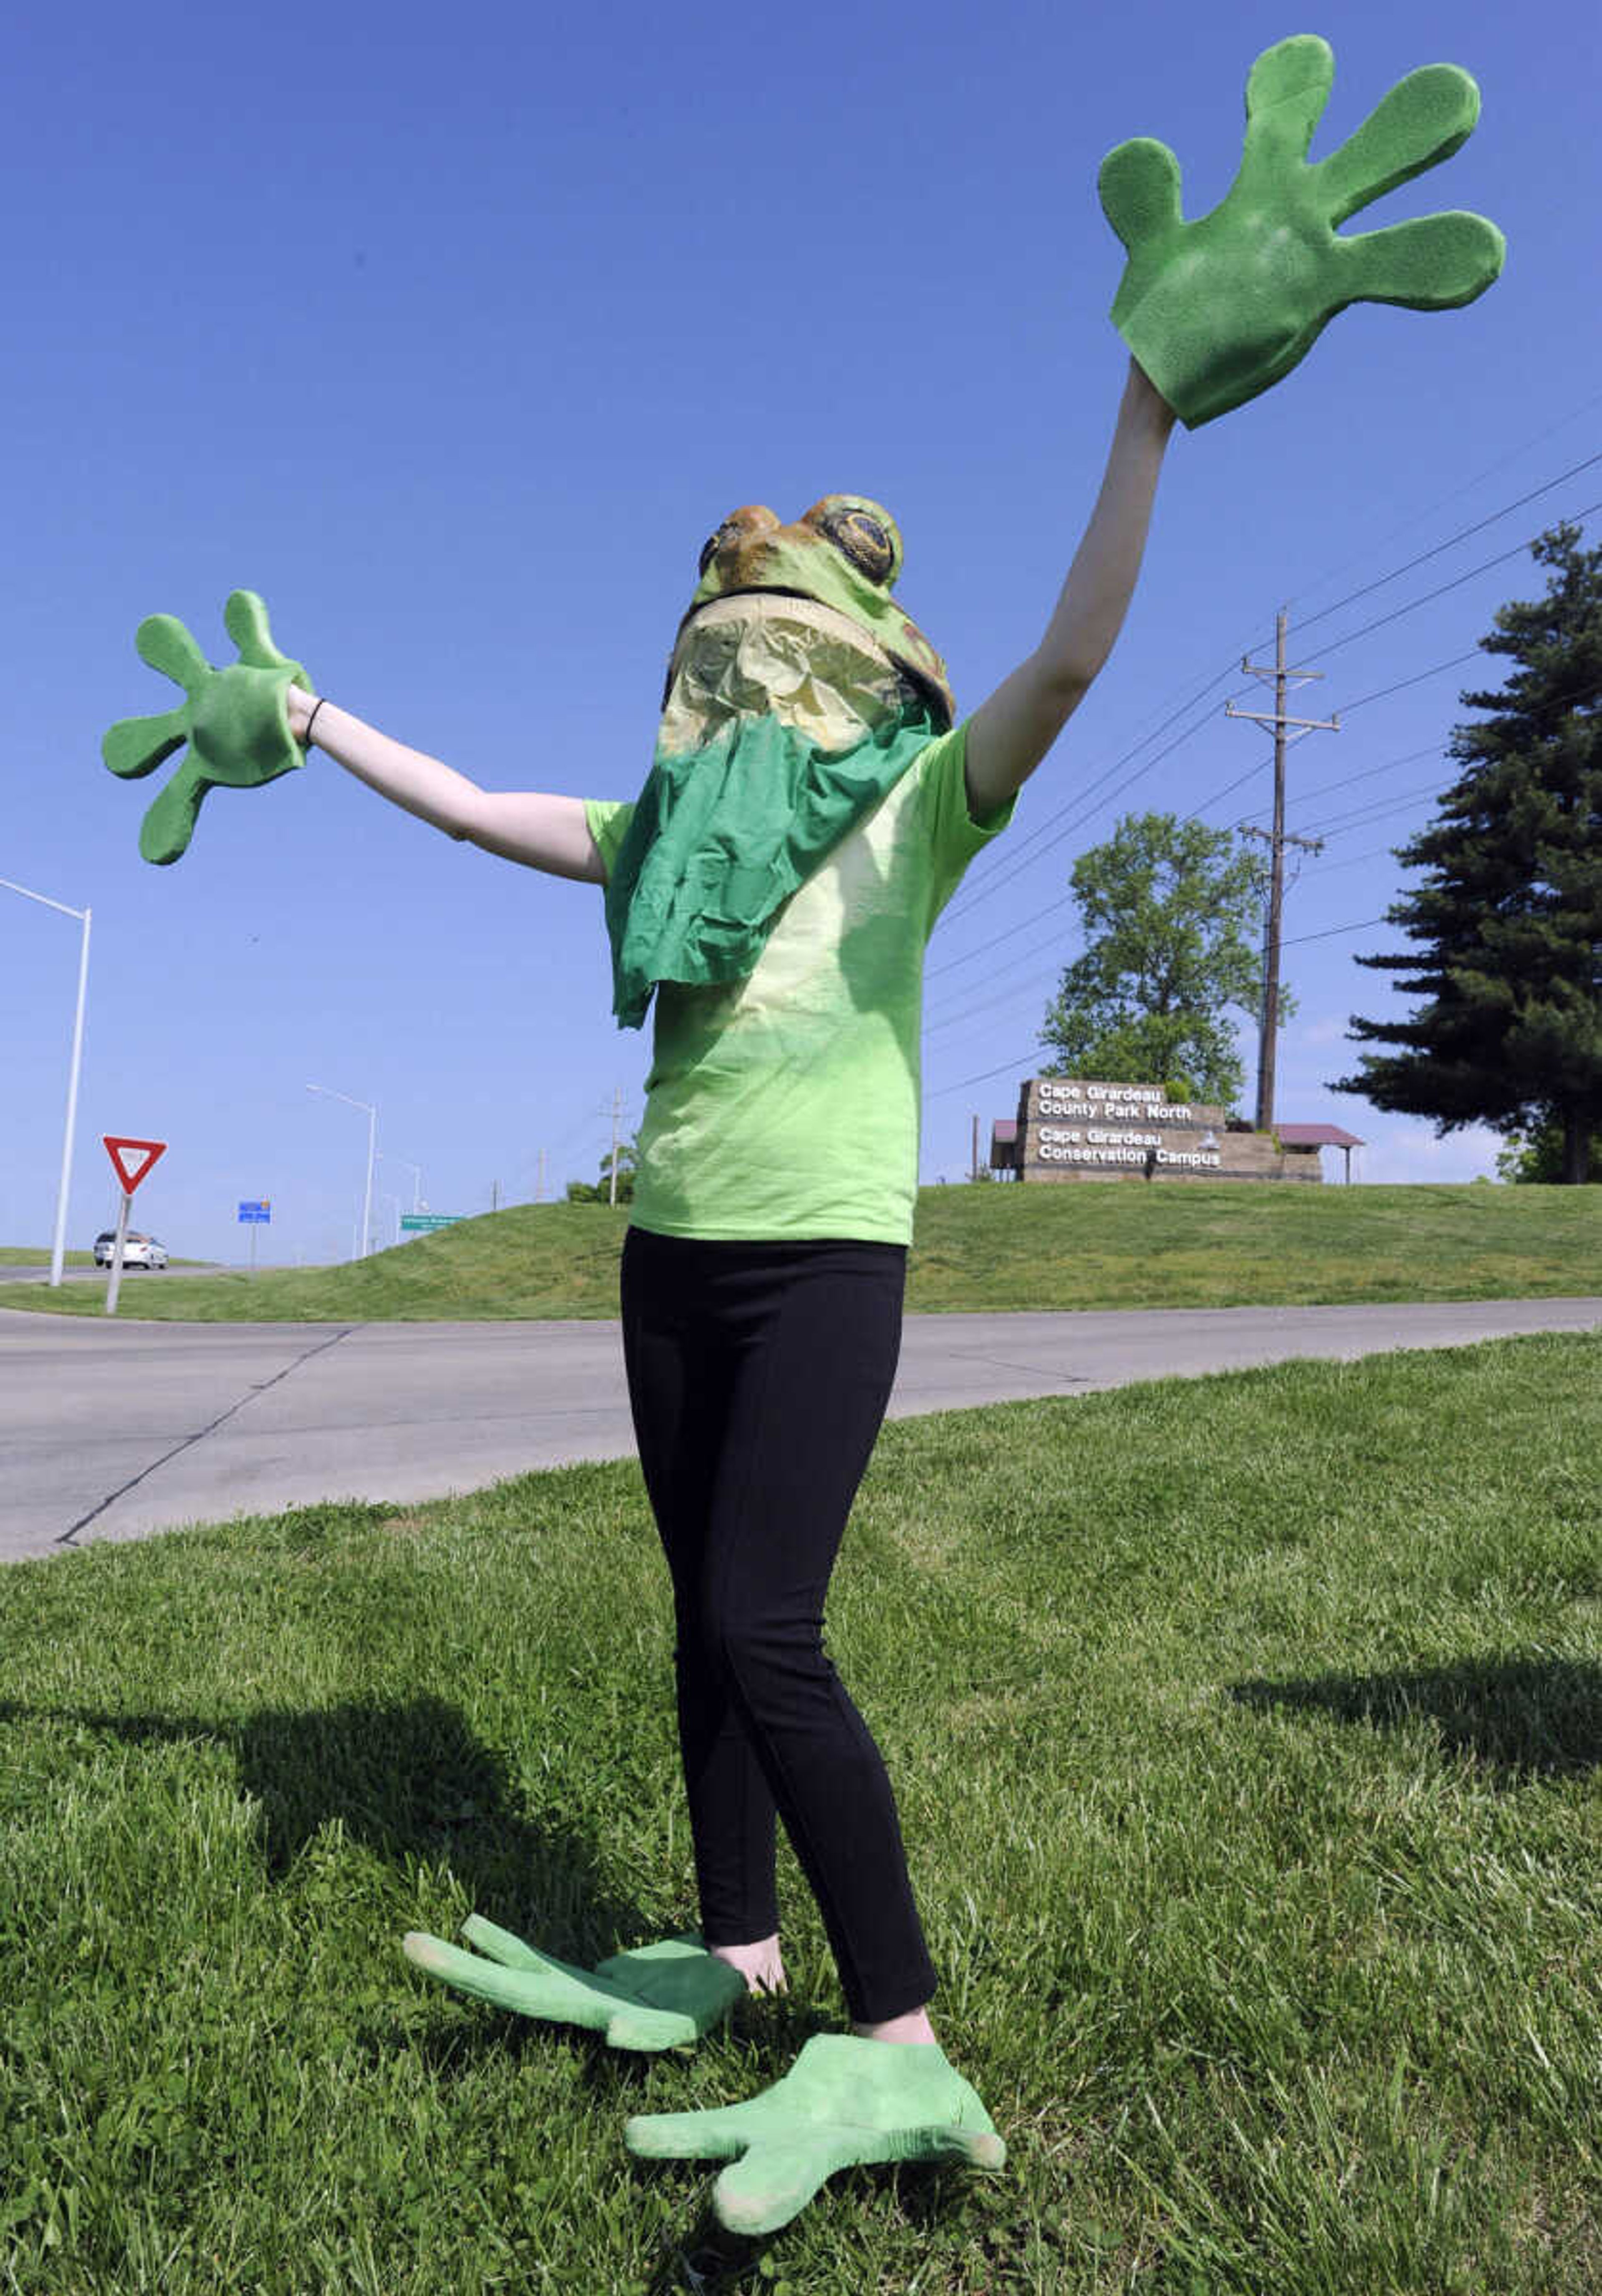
1166,907
1507,921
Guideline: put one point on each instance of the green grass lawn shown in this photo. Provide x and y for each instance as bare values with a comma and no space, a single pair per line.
1096,1245
1246,1734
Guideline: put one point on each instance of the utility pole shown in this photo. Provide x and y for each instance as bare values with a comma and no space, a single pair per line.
974,1163
1277,841
617,1111
540,1183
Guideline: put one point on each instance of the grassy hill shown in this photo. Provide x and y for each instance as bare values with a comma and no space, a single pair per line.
1097,1244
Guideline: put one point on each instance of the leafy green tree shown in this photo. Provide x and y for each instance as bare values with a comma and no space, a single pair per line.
582,1191
1168,910
1536,1158
1507,919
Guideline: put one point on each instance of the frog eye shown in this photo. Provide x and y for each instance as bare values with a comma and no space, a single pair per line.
743,525
708,548
863,535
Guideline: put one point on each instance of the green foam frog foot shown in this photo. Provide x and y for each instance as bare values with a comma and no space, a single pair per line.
843,2103
1218,310
235,721
653,1997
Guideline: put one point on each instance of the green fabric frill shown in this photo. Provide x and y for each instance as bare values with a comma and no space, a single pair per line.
721,837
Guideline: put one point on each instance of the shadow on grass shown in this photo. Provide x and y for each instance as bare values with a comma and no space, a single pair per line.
705,2259
1516,1717
410,1780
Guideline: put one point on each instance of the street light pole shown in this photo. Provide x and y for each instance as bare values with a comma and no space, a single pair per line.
328,1092
58,1249
416,1171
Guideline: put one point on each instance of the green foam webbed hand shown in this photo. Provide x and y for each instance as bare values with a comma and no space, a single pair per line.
653,1997
235,721
845,2102
1217,309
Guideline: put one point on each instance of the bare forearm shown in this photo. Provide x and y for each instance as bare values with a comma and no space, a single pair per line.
542,832
423,785
1101,581
1012,732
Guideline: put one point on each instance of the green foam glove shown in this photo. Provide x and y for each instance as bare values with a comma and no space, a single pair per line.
654,1997
844,2101
1216,310
235,721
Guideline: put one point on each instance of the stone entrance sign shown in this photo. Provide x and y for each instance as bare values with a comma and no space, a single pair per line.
1084,1129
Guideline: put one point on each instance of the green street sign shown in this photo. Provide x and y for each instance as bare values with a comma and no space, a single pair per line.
424,1222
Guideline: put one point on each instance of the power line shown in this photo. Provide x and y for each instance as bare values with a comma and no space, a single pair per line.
1331,932
1354,815
1229,789
1585,688
1348,782
1361,816
1381,621
968,955
995,883
1382,693
1023,858
1025,855
1451,542
1328,788
1456,494
963,1082
1002,996
1373,853
1351,860
1081,811
1068,901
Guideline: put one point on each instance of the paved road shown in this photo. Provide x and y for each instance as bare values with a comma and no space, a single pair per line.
41,1275
112,1430
38,1271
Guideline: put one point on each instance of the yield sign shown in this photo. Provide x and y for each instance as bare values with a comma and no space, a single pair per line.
117,1149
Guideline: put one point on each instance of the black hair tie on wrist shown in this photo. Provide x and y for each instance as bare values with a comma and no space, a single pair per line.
311,721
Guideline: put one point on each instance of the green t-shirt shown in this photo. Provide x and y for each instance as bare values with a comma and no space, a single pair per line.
785,1105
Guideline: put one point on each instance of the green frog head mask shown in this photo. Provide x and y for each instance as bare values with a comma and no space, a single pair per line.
843,555
798,694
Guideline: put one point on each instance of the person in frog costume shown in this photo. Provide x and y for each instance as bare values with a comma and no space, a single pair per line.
813,803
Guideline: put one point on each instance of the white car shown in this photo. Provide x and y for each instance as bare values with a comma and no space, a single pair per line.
137,1250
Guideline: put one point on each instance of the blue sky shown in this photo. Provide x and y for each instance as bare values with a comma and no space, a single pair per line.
455,332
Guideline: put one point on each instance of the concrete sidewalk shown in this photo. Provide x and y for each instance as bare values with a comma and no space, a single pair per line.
113,1431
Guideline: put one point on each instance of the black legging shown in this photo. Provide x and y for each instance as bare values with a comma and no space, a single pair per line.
759,1375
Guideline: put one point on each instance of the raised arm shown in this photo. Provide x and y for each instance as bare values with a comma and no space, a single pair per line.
541,831
1010,734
